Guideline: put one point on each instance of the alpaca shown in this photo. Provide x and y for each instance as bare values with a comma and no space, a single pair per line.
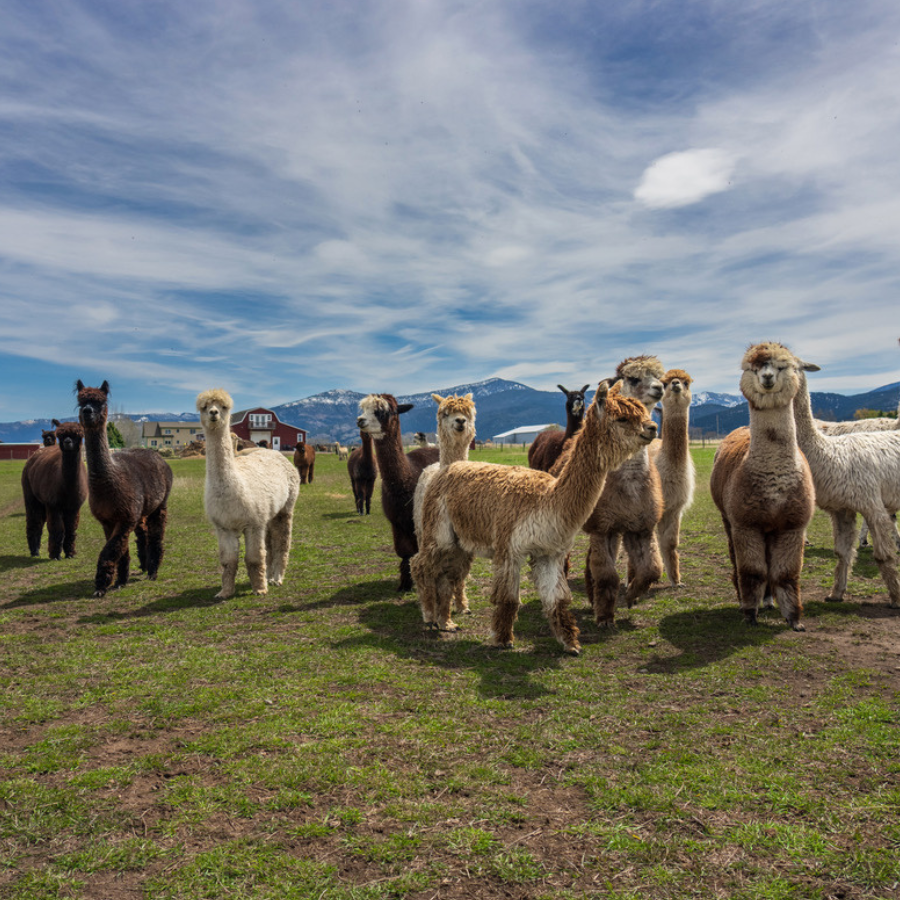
305,461
253,495
629,509
856,472
455,431
54,484
48,438
128,491
363,470
762,486
420,439
511,512
379,416
547,446
672,458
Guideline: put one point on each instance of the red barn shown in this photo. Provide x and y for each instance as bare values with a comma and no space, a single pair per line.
18,451
260,424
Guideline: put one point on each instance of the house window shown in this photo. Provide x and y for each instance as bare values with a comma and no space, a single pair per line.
260,420
167,431
301,438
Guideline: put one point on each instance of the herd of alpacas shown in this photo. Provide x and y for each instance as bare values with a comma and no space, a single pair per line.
607,474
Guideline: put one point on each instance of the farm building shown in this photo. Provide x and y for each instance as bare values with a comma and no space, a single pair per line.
262,425
174,435
18,451
523,435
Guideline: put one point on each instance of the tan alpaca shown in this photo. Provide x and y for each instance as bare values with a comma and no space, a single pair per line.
629,509
510,513
253,495
762,485
455,433
672,458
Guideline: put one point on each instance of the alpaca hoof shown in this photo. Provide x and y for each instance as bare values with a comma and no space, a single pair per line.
223,595
99,594
606,623
796,626
276,581
55,558
750,617
449,626
834,599
768,602
260,592
573,649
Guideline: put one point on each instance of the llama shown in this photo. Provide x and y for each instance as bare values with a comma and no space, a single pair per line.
54,485
762,486
48,438
420,439
253,495
379,416
856,472
128,491
672,458
363,470
547,446
455,431
629,508
512,512
305,461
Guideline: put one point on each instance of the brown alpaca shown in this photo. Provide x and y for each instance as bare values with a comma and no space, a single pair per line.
510,513
672,458
379,415
762,485
129,491
546,448
48,438
363,470
305,461
629,509
54,485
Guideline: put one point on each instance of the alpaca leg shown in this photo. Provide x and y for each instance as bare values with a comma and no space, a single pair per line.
669,533
785,554
35,516
885,552
278,545
604,579
71,519
556,598
460,600
864,533
645,563
451,572
406,548
843,526
505,599
56,532
156,533
255,559
369,491
312,470
422,567
750,561
140,536
229,553
110,562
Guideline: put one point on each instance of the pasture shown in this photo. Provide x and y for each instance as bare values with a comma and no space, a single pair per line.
318,743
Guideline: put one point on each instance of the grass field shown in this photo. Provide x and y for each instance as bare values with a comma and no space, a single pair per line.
318,743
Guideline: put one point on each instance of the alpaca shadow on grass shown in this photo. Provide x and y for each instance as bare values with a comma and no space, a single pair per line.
355,594
199,598
71,592
25,561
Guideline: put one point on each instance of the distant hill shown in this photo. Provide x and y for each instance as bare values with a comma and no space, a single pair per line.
502,405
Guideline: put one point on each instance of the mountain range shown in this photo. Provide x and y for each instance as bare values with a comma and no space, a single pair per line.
502,405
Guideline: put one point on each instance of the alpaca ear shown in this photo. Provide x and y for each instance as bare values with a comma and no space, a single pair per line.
79,386
405,407
438,399
467,397
105,387
602,391
563,389
56,422
584,389
808,367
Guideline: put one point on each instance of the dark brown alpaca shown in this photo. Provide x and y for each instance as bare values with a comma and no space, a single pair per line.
305,461
380,417
54,485
48,438
128,492
546,448
363,471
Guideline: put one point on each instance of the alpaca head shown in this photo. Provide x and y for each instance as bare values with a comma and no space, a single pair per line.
215,407
624,422
455,418
771,375
70,437
48,438
379,415
92,402
420,439
641,379
575,401
677,384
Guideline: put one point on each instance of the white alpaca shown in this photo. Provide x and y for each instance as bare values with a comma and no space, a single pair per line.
854,473
455,433
253,495
672,457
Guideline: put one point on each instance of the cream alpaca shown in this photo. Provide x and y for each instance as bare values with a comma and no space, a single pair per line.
510,513
762,485
672,458
854,473
628,510
253,495
455,433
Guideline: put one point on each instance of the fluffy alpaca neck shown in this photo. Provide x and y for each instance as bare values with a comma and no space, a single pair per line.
773,434
810,439
573,423
368,454
220,467
454,447
96,447
392,460
675,441
70,465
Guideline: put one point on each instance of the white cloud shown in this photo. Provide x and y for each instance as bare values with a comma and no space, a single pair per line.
680,179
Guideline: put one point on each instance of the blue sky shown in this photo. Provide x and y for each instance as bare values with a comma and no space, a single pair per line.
287,197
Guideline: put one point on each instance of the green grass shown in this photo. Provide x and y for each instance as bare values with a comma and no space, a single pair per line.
317,742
